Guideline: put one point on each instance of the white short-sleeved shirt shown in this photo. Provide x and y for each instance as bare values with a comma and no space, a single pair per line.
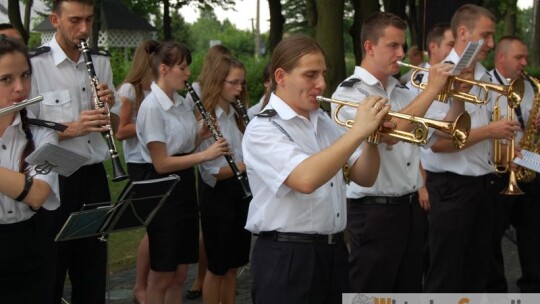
525,104
399,172
65,87
231,133
11,146
474,160
172,122
273,147
132,147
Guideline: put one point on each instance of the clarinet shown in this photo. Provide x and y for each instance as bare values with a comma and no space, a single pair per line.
118,172
242,177
241,110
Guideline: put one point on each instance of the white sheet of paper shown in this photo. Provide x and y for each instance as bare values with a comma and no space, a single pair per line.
62,160
530,160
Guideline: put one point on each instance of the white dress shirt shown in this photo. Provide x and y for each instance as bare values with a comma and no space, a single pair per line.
171,122
231,133
65,87
273,147
399,172
475,160
132,147
11,146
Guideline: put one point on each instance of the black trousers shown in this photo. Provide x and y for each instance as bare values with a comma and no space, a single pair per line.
20,264
298,273
523,213
460,222
386,246
85,260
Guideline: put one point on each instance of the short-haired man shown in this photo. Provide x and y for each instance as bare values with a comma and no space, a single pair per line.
384,221
521,211
61,76
459,181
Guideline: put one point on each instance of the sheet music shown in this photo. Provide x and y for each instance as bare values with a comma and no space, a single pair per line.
530,160
468,56
50,157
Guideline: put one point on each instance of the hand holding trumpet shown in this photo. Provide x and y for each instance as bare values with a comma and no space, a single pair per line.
369,115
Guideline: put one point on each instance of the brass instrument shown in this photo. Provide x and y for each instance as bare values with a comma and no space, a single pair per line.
19,105
530,141
458,129
501,164
118,171
514,91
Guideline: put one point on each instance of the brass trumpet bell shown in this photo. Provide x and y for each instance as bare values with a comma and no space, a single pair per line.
514,90
458,129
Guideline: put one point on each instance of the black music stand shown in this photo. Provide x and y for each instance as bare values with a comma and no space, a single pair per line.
137,206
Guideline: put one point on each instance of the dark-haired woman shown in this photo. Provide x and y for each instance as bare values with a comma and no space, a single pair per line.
169,133
22,192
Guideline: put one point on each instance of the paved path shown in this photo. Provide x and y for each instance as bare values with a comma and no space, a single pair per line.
121,283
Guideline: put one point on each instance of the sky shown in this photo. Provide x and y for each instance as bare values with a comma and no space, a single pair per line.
246,10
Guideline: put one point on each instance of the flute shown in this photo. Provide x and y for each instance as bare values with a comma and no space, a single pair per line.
240,176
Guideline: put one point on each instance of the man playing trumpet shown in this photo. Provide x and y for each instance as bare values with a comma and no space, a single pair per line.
385,221
520,211
459,181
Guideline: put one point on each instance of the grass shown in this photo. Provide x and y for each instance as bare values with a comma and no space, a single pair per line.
122,245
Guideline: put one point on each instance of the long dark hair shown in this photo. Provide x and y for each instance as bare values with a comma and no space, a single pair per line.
10,46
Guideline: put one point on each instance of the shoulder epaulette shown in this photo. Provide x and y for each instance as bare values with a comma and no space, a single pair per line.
47,124
267,113
350,82
100,52
418,78
40,50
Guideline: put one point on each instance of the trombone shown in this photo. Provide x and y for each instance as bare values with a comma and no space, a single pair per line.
514,91
458,129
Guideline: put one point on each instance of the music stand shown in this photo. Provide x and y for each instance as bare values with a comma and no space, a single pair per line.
137,206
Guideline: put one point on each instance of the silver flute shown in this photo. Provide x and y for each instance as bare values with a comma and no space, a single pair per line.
20,105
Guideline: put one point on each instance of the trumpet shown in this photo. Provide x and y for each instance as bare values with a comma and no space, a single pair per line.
458,129
503,165
514,91
19,105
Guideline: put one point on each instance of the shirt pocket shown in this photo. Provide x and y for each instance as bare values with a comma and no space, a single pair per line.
57,106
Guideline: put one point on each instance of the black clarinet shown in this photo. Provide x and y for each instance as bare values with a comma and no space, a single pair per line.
241,176
118,171
241,110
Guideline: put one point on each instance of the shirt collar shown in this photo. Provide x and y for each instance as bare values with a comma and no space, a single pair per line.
219,111
371,80
285,112
164,100
58,54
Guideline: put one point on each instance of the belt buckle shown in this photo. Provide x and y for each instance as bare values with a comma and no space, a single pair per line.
331,239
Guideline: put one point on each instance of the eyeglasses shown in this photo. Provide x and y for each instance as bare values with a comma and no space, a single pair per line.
236,82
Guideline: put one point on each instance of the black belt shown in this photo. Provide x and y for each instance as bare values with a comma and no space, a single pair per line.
385,200
305,238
